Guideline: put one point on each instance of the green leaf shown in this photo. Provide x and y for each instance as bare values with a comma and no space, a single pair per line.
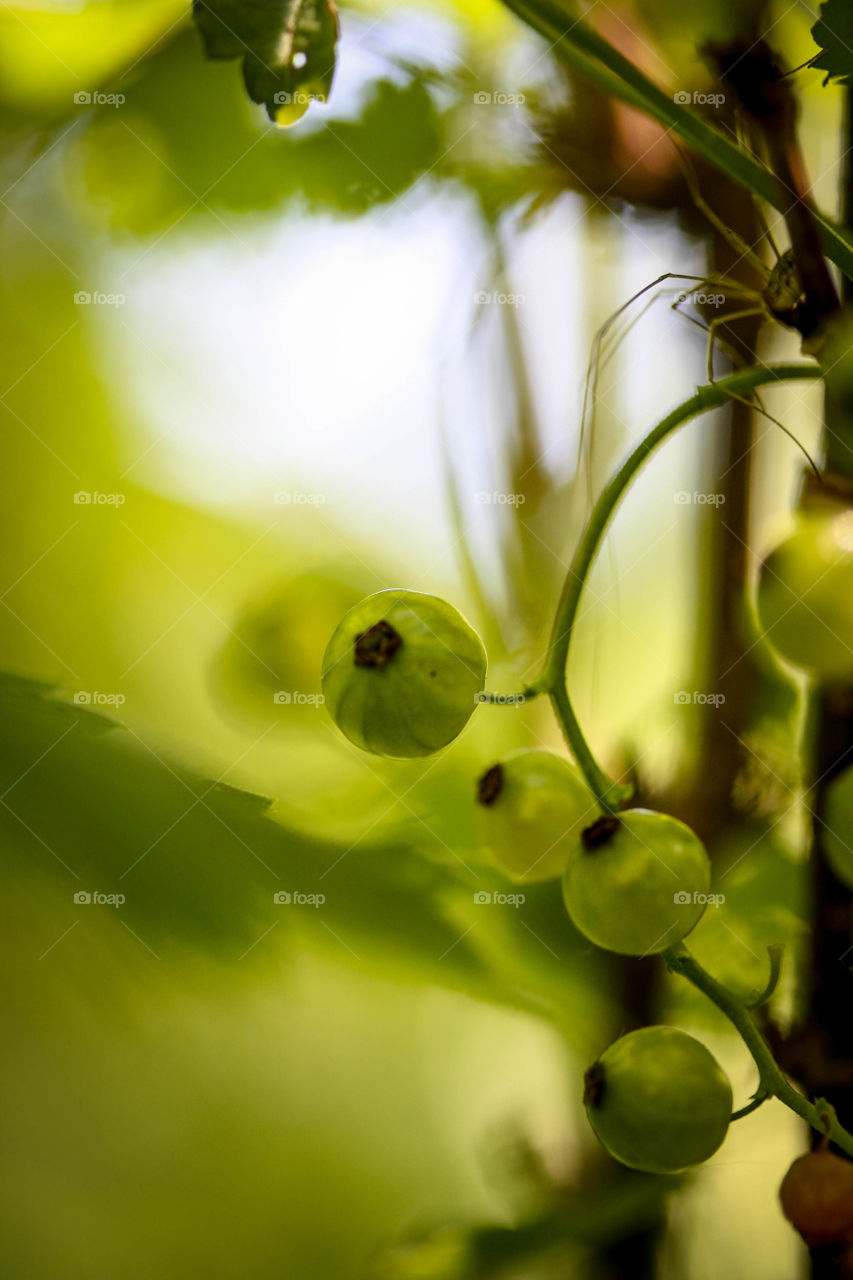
287,47
227,29
87,807
833,31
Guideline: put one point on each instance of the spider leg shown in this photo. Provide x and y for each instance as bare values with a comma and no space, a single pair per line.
765,227
595,358
733,289
630,324
752,403
728,233
743,314
721,342
755,403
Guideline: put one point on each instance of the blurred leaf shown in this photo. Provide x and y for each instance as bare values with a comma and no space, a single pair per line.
199,862
833,31
589,1216
287,46
187,146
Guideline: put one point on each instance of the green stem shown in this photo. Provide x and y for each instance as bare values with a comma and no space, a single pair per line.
581,47
771,1080
758,1101
711,396
608,794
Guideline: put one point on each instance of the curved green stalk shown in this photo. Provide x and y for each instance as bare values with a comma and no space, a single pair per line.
771,1080
581,47
756,1102
711,396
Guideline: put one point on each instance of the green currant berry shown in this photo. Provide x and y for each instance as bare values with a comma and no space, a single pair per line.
837,838
805,595
531,810
637,883
402,672
817,1197
658,1100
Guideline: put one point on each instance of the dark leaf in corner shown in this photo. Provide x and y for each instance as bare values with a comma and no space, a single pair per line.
833,31
287,48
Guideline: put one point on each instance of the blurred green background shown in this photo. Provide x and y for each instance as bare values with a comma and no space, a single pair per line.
248,377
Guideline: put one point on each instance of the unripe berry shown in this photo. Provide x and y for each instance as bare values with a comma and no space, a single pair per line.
658,1100
402,672
531,810
805,595
637,883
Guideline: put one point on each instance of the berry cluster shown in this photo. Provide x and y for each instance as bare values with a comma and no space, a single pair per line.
403,673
